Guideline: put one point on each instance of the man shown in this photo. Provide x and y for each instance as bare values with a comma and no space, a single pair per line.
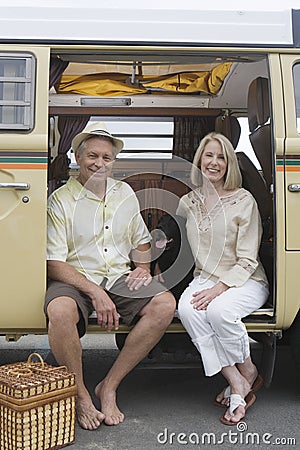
94,231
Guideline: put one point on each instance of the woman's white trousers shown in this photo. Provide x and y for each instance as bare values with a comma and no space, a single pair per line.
219,333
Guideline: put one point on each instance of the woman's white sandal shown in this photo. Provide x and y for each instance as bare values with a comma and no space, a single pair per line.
256,386
235,401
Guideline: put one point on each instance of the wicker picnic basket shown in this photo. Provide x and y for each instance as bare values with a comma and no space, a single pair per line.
37,406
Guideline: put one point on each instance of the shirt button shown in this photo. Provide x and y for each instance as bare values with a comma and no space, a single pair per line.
105,249
106,227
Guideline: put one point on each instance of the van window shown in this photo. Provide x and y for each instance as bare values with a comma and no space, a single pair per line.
296,74
244,144
17,76
143,137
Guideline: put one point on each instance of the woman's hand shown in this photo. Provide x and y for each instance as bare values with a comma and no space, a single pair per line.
202,299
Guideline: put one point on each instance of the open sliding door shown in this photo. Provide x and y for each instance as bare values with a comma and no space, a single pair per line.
291,170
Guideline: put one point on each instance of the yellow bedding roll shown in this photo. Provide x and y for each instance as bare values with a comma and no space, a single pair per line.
116,84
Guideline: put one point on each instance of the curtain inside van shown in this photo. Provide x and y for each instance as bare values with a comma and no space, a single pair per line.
188,132
57,67
68,127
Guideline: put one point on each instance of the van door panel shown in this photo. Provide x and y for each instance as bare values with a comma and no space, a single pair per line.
290,164
23,196
22,243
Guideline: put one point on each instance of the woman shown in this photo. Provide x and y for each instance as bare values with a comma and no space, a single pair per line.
224,231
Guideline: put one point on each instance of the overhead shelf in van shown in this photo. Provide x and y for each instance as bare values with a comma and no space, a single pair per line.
135,101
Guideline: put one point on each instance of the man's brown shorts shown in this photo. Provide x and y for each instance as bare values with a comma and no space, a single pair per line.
128,303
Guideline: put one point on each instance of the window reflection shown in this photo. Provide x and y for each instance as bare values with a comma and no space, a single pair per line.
296,74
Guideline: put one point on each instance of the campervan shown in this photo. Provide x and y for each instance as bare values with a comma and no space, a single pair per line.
160,76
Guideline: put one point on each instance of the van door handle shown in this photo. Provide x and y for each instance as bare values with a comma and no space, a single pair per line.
18,186
295,187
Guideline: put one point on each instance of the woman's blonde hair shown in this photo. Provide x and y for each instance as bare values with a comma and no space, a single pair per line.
233,177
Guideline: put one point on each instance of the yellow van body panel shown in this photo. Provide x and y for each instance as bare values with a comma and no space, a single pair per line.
23,159
23,213
290,170
23,244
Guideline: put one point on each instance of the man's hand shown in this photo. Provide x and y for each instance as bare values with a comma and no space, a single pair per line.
107,316
106,311
137,278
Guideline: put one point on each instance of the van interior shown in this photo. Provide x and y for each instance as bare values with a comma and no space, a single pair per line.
161,102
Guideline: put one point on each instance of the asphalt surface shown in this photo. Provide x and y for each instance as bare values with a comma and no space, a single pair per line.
169,405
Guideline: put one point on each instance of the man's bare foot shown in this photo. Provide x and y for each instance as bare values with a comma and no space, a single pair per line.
107,398
88,416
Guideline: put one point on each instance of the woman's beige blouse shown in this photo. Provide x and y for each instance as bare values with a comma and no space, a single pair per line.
225,240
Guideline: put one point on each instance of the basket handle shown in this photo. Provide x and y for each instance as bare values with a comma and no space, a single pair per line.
29,360
50,369
20,372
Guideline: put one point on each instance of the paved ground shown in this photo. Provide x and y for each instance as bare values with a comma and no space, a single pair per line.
173,409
